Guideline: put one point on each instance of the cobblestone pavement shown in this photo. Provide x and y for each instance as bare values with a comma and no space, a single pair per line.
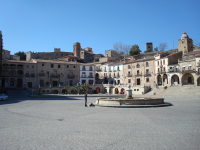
64,123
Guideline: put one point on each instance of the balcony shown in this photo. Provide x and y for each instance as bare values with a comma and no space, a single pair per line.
118,69
114,76
161,72
105,70
138,74
114,70
188,71
83,76
109,77
173,70
109,70
118,76
98,69
26,75
137,66
83,69
129,75
55,75
41,74
90,69
90,76
71,76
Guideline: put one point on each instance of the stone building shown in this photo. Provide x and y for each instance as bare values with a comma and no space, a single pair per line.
162,61
47,55
139,72
185,44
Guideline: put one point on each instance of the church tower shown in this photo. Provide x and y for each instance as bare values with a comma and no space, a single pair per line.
77,49
185,44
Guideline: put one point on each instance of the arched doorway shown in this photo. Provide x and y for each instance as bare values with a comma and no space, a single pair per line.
19,82
97,90
111,91
122,91
116,91
174,80
198,81
187,79
159,80
165,80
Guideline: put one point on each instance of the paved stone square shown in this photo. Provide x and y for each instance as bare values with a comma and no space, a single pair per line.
64,123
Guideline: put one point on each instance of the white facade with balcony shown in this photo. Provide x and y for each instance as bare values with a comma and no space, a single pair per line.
87,74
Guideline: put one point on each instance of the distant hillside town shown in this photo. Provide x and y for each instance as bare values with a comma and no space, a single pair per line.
51,72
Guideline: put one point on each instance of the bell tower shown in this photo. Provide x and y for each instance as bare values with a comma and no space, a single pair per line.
185,44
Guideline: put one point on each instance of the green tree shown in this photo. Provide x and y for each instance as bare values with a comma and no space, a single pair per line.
22,55
74,88
156,49
135,50
65,88
84,87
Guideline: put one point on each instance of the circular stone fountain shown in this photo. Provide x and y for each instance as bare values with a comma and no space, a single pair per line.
130,101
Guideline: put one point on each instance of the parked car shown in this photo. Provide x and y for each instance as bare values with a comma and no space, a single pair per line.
3,97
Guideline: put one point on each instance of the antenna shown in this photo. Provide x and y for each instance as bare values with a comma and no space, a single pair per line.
173,44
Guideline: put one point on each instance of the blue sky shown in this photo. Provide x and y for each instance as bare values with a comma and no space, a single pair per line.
41,25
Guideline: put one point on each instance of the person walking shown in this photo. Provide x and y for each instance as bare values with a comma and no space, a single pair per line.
85,99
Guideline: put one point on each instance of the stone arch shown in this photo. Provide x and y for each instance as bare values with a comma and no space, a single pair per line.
165,80
198,81
187,79
174,80
159,80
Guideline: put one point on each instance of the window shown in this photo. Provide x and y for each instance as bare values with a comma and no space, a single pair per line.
74,66
158,63
134,89
129,67
183,68
47,72
147,79
58,66
129,73
189,67
138,66
137,89
158,69
147,64
41,82
27,66
163,62
138,72
47,83
42,64
129,80
51,65
32,66
67,66
147,71
164,69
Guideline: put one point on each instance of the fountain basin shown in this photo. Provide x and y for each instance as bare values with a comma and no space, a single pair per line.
134,102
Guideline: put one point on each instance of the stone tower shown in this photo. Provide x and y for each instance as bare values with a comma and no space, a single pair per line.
185,44
77,49
149,46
